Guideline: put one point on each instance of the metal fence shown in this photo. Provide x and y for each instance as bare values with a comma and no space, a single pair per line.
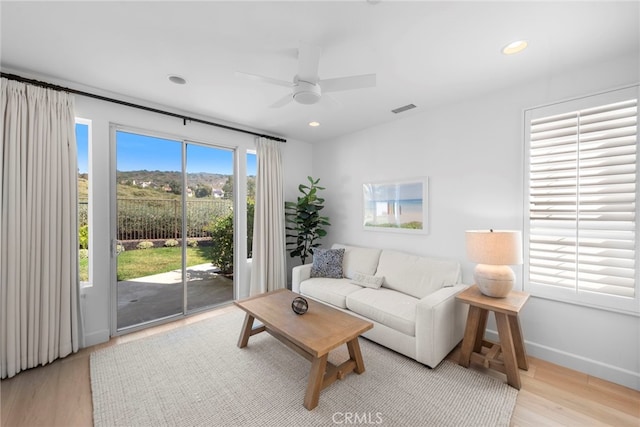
150,219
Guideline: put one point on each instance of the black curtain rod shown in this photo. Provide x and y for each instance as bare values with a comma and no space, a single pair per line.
129,104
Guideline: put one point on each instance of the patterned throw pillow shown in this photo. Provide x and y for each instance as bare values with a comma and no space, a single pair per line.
327,263
367,280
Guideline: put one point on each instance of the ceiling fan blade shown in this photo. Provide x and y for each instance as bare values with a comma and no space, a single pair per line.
348,83
264,79
282,101
308,61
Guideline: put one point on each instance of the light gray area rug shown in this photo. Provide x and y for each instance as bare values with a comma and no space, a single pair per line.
197,376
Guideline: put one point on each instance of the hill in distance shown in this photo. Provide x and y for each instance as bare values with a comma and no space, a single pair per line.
159,179
156,182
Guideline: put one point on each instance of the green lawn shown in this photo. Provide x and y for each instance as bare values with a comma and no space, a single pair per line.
83,270
145,262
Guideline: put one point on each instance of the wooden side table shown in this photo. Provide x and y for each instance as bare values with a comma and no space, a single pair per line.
509,354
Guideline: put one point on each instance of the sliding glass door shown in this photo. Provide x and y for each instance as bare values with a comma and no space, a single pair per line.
209,224
174,228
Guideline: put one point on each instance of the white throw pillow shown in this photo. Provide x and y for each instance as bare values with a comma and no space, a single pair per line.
367,280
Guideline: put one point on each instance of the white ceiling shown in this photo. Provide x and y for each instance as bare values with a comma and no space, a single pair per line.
426,53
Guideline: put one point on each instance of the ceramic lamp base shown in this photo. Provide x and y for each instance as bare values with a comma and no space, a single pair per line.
494,280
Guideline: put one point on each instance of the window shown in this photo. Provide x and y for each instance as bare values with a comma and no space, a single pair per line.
251,198
83,146
582,164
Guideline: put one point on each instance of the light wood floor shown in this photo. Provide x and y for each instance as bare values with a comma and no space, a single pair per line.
59,394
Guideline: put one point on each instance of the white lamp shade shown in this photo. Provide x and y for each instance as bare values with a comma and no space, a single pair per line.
494,247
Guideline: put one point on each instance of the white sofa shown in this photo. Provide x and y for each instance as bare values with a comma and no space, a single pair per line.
414,312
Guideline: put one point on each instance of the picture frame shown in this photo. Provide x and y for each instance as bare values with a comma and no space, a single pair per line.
399,206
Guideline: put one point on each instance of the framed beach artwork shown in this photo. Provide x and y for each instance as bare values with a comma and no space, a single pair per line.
397,206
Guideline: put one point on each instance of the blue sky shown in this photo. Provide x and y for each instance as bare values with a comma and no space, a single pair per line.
395,191
138,152
82,140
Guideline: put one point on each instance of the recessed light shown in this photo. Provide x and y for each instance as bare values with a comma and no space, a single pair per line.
177,79
314,124
515,47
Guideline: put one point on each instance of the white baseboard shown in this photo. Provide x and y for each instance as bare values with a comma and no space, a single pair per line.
579,363
97,337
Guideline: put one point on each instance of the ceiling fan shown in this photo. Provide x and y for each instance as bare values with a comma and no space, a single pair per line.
307,87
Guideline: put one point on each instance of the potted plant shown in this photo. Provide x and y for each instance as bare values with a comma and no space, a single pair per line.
304,223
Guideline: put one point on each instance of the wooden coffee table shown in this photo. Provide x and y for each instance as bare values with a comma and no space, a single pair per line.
312,335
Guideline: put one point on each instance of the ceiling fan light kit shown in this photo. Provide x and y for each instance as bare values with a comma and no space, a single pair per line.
306,93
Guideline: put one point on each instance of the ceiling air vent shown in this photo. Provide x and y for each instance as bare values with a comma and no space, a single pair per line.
403,108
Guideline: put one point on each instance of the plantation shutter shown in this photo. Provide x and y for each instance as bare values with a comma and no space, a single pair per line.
582,200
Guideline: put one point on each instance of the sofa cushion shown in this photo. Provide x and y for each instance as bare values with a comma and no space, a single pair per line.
356,259
390,308
327,263
415,275
367,280
331,291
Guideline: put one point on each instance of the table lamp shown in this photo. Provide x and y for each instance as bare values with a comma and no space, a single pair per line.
494,251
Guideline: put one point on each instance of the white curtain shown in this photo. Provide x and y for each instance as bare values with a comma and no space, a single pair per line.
268,260
38,232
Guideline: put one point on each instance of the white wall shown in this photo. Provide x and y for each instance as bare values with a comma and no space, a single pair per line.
472,153
97,300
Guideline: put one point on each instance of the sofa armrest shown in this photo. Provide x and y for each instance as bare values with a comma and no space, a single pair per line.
440,323
299,274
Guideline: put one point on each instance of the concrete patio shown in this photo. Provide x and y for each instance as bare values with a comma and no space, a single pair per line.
153,297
